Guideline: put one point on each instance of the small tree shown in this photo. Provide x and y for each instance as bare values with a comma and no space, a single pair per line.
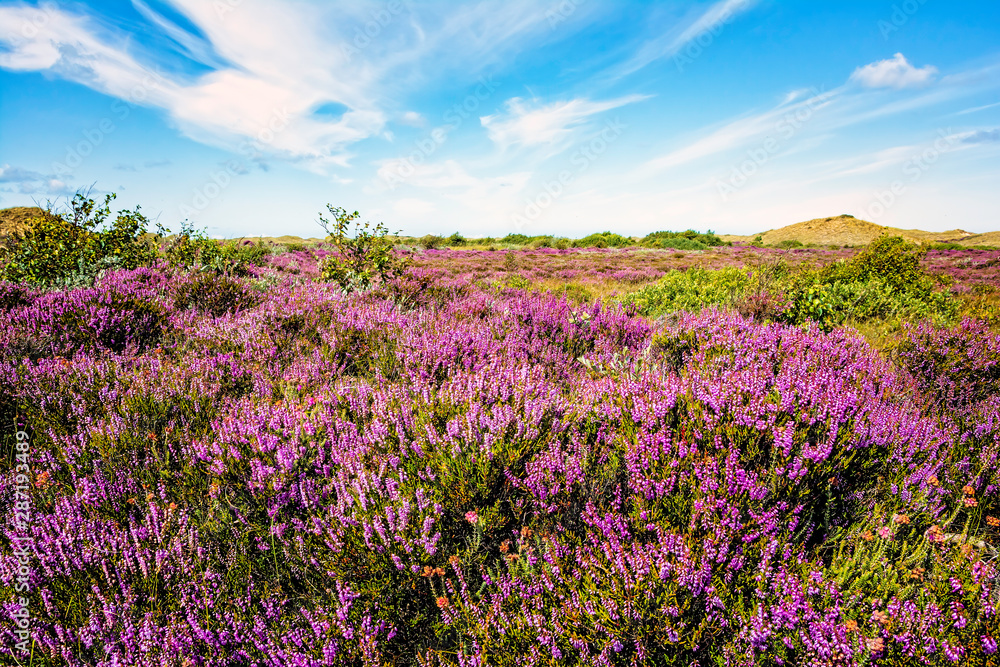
364,252
74,247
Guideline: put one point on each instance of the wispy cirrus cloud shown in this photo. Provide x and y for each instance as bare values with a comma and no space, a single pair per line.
672,42
529,124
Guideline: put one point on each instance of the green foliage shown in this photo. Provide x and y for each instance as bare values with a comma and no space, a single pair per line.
456,239
686,240
757,242
432,241
889,258
945,246
515,239
789,243
884,282
75,247
691,290
603,240
541,242
191,249
364,253
814,303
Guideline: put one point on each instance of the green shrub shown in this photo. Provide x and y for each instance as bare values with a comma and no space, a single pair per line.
686,240
681,243
790,243
515,239
456,239
890,258
192,249
691,290
75,247
432,241
364,255
603,240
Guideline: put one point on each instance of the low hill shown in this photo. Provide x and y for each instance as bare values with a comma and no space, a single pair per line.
847,230
14,221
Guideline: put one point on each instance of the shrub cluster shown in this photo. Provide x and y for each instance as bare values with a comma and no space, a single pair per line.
688,240
73,248
191,249
883,282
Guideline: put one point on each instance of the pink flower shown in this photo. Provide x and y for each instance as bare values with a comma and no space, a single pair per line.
885,532
471,516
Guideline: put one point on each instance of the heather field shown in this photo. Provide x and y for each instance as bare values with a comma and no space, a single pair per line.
531,457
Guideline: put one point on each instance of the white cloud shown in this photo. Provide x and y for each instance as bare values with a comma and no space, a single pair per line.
782,123
413,119
981,136
549,124
896,72
672,42
272,65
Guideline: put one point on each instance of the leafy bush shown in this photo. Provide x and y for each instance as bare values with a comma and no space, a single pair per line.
789,243
681,243
883,282
363,253
891,259
191,249
537,242
515,239
432,241
686,240
75,247
603,240
456,239
691,290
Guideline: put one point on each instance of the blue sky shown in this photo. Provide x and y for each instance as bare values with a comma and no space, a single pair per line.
565,117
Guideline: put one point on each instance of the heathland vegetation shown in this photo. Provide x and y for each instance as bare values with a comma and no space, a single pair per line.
377,450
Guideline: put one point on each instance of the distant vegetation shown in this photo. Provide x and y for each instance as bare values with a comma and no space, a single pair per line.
883,282
687,240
